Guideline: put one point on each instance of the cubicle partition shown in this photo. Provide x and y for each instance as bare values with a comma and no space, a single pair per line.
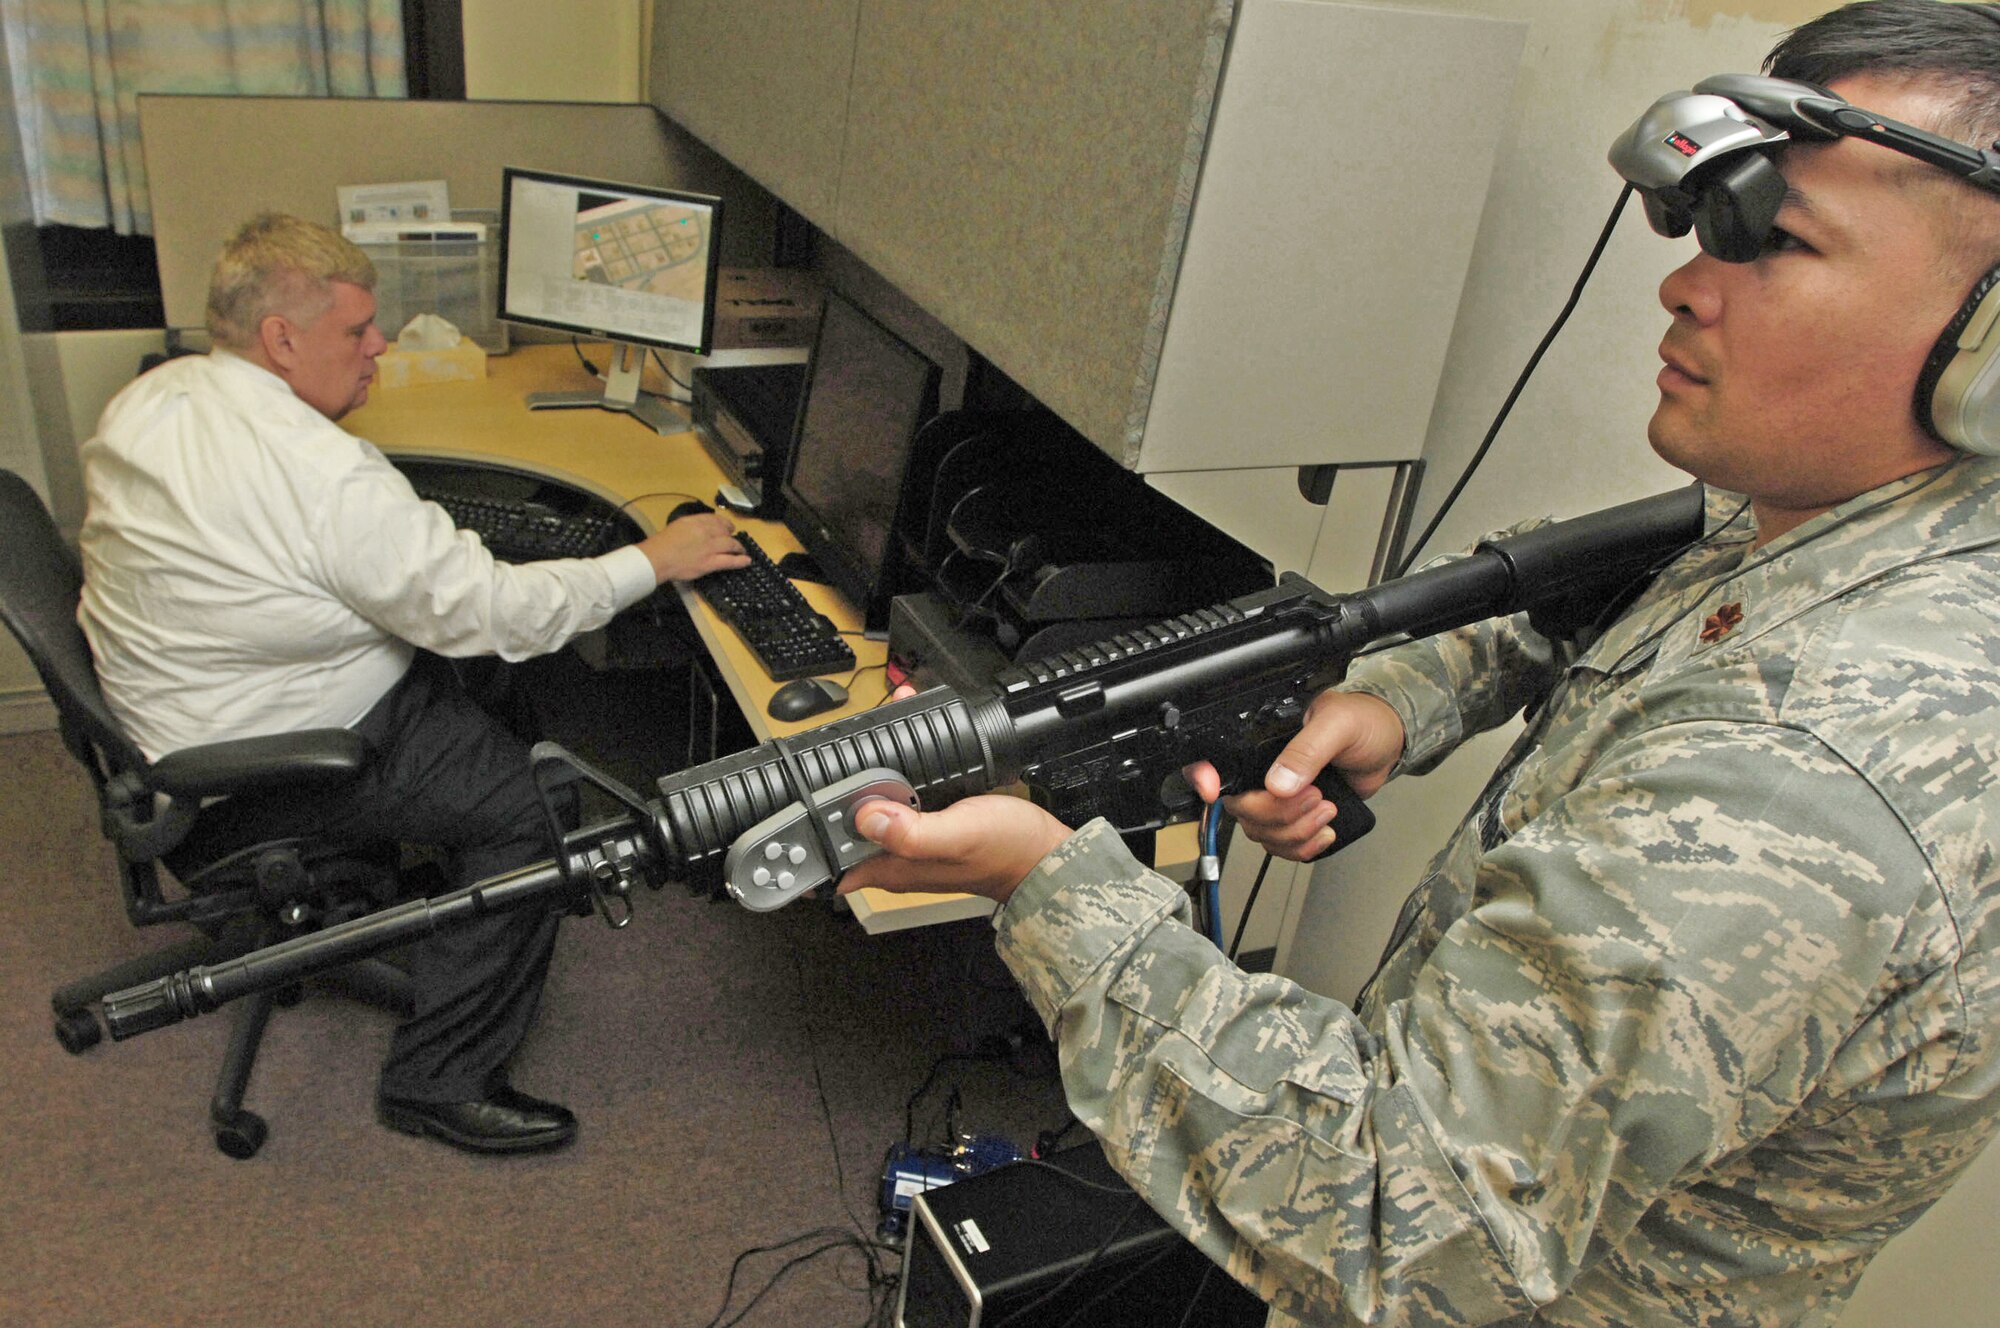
1023,171
1172,222
214,161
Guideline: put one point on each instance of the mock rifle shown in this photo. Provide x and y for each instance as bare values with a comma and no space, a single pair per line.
1102,730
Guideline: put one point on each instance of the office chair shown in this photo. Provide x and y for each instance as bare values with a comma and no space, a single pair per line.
237,896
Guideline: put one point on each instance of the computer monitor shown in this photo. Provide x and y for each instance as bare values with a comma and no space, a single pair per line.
866,394
632,264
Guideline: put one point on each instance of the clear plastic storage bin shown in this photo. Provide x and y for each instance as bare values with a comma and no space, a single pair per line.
458,280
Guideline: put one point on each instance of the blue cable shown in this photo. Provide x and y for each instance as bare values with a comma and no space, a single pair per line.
1209,870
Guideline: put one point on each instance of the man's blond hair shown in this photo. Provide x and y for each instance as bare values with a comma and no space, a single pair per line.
278,264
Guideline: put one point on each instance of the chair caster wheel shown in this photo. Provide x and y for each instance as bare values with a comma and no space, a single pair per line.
78,1031
241,1135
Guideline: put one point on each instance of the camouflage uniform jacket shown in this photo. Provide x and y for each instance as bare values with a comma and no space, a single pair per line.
1695,1009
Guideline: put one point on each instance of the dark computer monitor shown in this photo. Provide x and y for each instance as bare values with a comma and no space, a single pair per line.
866,394
632,264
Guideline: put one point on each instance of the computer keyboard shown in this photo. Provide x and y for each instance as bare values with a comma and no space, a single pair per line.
525,532
789,637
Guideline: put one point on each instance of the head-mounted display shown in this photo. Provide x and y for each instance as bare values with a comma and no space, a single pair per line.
1702,159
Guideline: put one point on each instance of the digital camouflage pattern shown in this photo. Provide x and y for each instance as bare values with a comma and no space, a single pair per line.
1694,1010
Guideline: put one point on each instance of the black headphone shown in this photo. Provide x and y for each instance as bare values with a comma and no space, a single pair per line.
1701,160
1957,401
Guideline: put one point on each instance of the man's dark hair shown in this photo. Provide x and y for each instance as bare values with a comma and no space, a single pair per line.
1958,44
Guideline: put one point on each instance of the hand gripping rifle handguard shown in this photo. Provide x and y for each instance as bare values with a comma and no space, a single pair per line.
1103,730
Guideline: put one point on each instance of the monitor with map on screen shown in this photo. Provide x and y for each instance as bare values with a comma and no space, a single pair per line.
634,265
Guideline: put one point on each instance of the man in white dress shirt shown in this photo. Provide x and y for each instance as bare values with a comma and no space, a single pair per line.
250,567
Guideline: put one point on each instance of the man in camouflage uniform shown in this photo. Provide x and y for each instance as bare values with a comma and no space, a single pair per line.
1696,1008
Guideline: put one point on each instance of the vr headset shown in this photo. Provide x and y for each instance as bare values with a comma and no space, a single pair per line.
1702,161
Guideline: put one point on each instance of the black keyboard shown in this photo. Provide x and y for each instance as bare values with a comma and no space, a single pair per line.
526,532
789,637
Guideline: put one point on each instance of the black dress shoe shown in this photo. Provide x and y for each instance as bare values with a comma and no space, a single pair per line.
504,1121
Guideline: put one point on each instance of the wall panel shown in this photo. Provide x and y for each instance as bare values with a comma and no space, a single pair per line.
1023,168
765,83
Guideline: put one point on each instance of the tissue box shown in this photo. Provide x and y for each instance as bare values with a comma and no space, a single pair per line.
407,368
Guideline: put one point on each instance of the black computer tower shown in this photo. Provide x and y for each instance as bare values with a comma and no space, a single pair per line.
1065,1242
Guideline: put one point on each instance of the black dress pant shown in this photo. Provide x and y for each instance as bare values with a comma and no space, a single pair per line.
448,776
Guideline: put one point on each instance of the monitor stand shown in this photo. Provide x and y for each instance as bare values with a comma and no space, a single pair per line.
621,392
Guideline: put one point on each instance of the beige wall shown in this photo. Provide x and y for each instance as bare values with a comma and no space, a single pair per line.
530,50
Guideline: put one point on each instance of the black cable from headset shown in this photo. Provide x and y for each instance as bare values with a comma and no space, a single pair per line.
1243,918
1493,431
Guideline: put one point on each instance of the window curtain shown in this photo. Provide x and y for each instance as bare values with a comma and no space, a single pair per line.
79,66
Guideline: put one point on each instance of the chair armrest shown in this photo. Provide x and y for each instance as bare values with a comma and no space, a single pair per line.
312,758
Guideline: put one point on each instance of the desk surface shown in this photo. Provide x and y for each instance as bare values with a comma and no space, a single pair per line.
628,465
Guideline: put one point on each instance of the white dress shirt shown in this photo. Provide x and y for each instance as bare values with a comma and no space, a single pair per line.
251,568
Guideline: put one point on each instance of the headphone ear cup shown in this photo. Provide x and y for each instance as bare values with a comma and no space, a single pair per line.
1958,392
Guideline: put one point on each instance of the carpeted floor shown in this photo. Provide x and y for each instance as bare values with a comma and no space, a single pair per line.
705,1049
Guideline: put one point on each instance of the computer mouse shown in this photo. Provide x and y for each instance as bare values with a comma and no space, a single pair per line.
802,698
692,507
